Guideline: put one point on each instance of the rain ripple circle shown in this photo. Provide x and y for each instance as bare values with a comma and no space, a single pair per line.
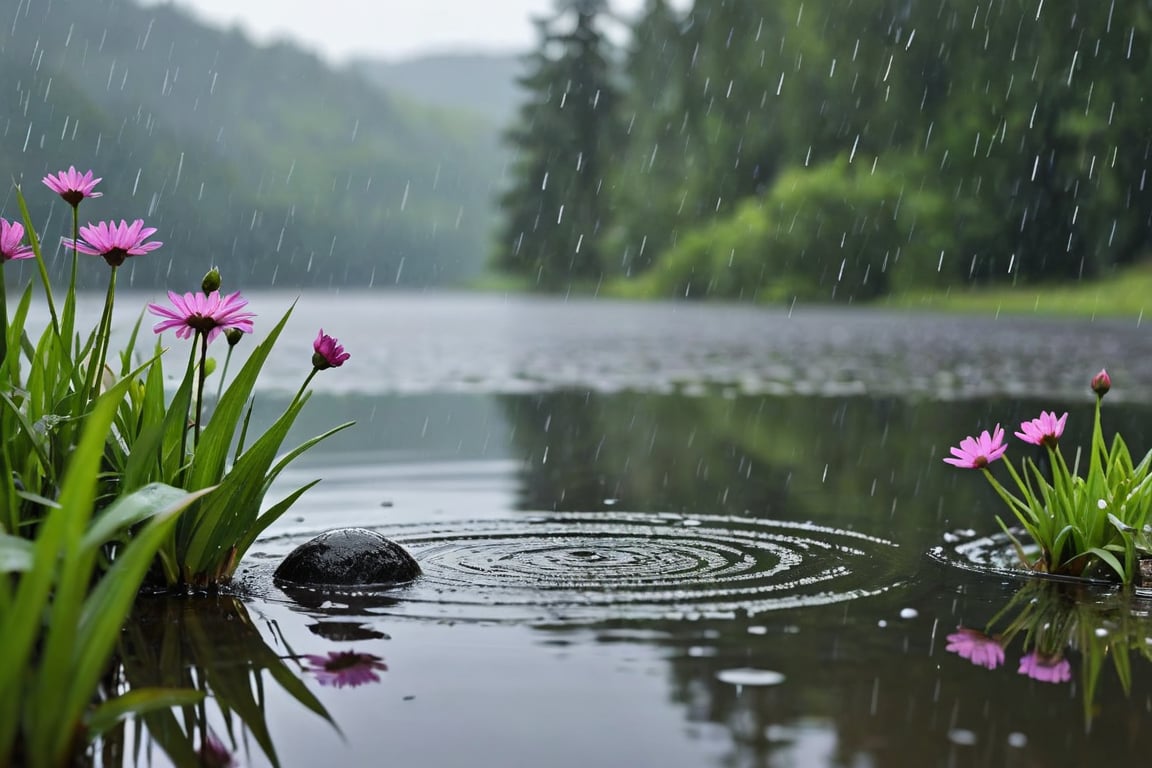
585,566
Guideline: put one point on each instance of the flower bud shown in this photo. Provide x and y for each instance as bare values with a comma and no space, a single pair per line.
1101,383
211,281
233,335
327,352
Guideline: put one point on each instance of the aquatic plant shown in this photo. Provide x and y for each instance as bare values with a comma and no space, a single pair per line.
48,388
60,617
208,543
1081,525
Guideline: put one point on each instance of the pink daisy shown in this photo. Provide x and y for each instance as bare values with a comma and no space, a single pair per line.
328,352
115,243
1044,430
210,314
1045,669
346,668
11,233
979,452
72,185
977,647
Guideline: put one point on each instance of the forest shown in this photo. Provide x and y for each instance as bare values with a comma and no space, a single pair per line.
771,150
785,150
263,160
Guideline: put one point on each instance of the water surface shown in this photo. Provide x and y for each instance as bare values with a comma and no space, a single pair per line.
673,535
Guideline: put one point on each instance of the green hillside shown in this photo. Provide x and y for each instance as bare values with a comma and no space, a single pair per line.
262,160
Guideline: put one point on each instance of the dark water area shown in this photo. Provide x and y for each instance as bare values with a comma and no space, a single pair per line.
667,535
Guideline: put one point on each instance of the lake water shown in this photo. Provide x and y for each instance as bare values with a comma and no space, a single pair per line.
660,534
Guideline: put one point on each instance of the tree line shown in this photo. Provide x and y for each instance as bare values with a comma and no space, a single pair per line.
780,149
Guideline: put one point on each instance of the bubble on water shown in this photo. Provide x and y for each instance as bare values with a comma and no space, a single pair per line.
962,736
749,676
909,613
1017,739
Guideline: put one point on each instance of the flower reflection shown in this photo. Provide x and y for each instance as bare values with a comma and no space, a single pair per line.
213,753
345,668
978,648
1046,669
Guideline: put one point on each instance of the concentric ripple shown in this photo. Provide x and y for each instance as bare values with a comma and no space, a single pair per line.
582,567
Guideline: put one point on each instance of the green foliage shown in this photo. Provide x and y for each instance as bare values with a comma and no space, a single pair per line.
212,537
843,231
94,467
46,398
1004,145
61,617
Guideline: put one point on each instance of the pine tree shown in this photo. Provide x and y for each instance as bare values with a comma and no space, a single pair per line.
556,209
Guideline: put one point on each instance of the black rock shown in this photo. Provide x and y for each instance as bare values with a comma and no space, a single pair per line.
348,557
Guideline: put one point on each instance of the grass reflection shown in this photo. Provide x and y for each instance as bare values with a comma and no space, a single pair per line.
212,645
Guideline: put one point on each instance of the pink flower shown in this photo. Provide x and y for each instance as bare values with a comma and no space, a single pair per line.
11,233
72,186
203,313
1045,430
1045,669
341,668
115,243
327,352
979,452
977,647
1101,383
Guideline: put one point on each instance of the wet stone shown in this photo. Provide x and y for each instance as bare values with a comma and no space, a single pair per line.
348,557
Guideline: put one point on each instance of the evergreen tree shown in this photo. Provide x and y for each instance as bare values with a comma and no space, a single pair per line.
654,157
556,209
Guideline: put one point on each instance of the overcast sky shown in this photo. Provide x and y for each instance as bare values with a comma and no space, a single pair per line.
338,29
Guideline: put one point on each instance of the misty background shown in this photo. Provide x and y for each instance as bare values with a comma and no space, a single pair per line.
761,150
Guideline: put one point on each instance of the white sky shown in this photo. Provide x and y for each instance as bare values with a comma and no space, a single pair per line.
389,29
